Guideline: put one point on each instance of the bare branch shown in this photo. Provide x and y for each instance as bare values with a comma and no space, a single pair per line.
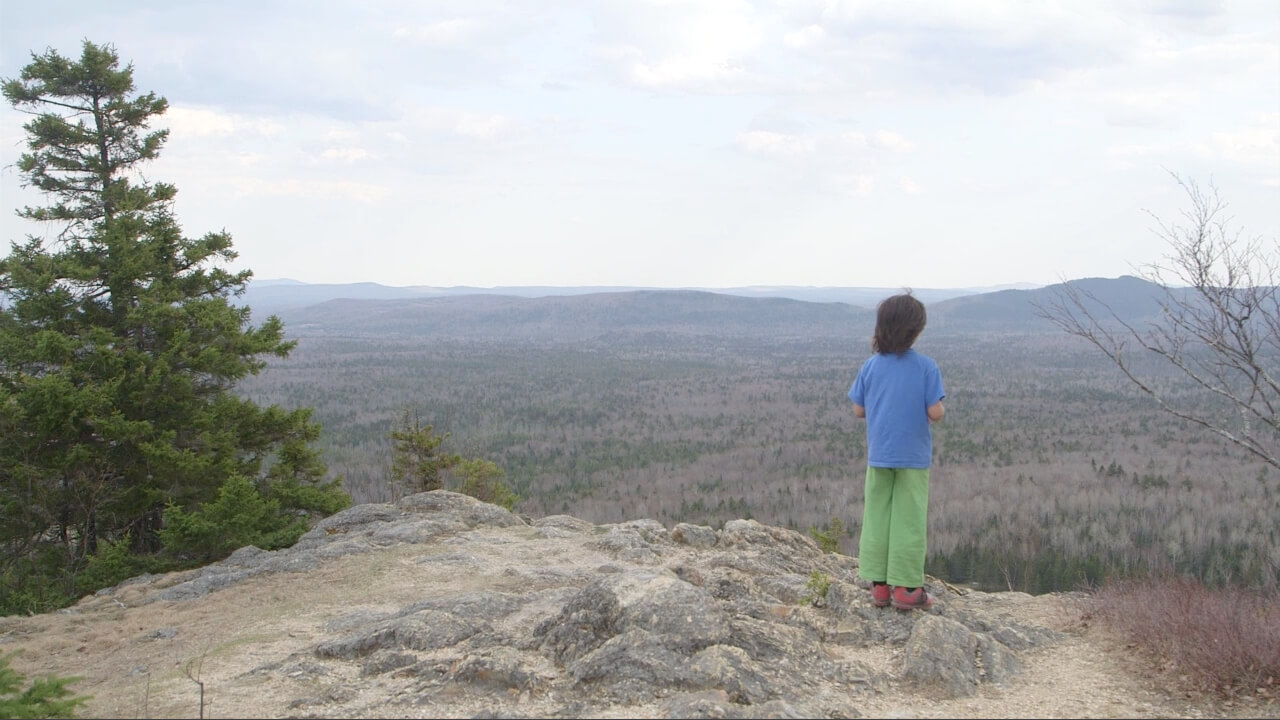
1219,324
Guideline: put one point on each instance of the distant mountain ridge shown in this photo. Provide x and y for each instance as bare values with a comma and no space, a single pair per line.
1133,300
600,315
281,293
633,312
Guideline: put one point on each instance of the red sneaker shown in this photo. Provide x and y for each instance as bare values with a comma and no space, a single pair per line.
880,595
912,600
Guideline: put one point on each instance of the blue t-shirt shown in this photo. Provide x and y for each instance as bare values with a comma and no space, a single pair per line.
895,390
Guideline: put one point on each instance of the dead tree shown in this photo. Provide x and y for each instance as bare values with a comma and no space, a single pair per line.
1219,324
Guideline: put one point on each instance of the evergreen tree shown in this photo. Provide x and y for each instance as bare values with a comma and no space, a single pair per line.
120,344
416,459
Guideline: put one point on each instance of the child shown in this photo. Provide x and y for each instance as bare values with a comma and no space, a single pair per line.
899,392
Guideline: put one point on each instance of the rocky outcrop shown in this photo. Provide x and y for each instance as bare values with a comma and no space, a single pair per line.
557,617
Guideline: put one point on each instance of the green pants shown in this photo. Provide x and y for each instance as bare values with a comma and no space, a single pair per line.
895,510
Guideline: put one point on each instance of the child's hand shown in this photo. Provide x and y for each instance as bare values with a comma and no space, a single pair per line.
936,411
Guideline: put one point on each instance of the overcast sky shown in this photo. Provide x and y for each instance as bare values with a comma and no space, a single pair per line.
707,143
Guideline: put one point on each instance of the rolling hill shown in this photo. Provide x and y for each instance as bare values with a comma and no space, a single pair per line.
633,312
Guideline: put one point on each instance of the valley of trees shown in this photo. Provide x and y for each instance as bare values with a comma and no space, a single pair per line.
1051,472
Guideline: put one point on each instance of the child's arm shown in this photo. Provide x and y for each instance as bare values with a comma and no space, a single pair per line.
859,411
935,411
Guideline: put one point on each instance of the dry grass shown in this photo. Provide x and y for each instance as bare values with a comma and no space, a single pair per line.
1221,640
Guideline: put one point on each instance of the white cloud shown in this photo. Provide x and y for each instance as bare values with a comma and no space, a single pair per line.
202,122
1128,157
478,125
1255,146
349,154
852,140
853,185
451,32
705,46
1147,107
776,145
893,141
418,121
329,190
806,37
824,149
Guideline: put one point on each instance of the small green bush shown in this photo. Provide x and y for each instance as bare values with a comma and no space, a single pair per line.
829,539
480,480
817,587
111,564
44,698
31,587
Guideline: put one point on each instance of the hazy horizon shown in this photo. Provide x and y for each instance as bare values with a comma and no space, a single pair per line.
295,281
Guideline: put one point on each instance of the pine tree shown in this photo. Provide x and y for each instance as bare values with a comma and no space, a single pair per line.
416,459
120,345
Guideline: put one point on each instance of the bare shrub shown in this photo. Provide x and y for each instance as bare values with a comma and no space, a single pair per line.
1223,640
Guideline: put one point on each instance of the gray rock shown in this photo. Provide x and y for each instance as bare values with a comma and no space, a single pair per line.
334,694
497,668
661,603
740,533
786,588
423,630
589,619
730,669
462,508
567,523
704,704
629,544
632,666
1021,637
997,662
479,607
768,641
844,598
210,578
651,530
356,645
355,519
727,584
940,656
691,622
786,710
383,661
699,536
416,530
432,630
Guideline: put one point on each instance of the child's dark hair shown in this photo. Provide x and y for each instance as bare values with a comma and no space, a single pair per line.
899,321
